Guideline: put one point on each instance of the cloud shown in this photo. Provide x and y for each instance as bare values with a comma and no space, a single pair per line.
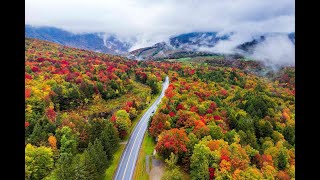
275,50
151,21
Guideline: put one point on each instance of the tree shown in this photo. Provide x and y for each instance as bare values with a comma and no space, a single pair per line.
289,134
173,140
200,162
97,125
215,132
89,166
248,138
41,131
186,118
53,142
63,167
229,136
200,129
98,156
38,161
282,175
158,124
68,141
283,159
79,168
173,174
263,129
110,140
123,122
251,173
172,171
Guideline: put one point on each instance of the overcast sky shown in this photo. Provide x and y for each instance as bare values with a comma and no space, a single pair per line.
162,17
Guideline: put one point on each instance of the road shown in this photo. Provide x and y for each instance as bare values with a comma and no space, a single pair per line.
129,156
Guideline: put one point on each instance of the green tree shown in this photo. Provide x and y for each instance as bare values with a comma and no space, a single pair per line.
123,122
289,134
263,129
38,161
172,171
215,132
200,162
69,141
248,138
63,167
283,158
98,156
173,174
109,139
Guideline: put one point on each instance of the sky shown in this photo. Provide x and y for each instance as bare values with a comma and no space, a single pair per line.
153,21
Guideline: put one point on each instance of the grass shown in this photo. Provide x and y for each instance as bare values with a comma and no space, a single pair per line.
116,158
147,148
184,59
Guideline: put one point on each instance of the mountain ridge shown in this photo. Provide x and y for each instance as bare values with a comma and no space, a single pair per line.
181,45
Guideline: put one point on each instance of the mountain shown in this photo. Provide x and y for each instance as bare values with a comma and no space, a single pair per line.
195,43
196,39
98,42
179,46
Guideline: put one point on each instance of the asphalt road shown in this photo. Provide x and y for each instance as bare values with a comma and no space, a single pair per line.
129,156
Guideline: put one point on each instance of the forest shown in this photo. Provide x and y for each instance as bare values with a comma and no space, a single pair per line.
225,123
215,122
78,106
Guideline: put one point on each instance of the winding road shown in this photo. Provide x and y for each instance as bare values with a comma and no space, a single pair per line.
129,156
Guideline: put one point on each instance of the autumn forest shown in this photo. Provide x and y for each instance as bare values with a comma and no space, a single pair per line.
217,120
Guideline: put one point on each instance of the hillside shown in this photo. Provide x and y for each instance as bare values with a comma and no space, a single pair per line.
221,118
98,42
199,44
223,123
176,46
79,101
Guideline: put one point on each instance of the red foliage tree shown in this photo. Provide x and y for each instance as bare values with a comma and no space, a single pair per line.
171,114
216,117
194,109
35,69
27,76
51,114
158,124
185,119
173,140
27,93
282,175
223,92
180,106
26,124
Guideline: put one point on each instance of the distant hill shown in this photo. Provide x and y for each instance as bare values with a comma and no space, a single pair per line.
98,42
191,44
177,46
188,40
183,45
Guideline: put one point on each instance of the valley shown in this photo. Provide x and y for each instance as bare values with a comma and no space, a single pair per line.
219,116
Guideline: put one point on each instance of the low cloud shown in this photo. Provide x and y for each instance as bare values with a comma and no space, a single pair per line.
151,21
275,50
144,23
